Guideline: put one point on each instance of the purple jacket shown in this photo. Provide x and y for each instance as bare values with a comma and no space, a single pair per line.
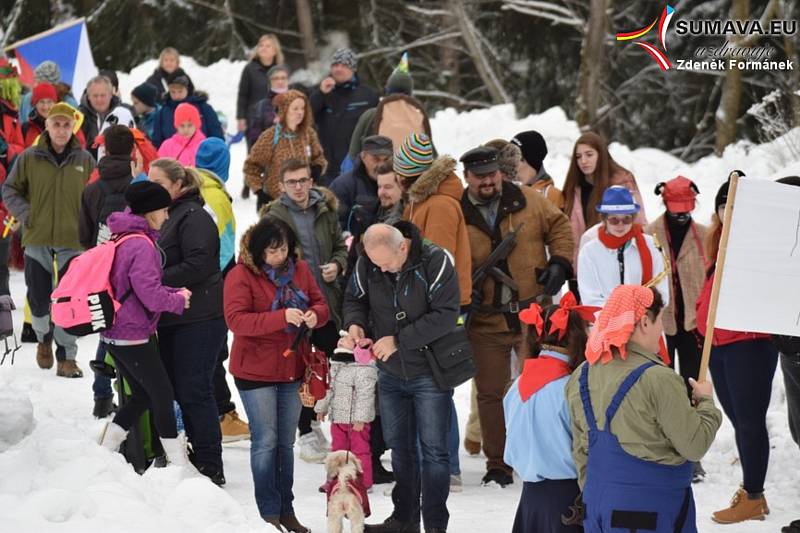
137,266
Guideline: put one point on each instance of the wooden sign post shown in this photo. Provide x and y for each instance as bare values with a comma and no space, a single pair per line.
718,273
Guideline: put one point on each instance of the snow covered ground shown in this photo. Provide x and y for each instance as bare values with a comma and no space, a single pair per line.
53,477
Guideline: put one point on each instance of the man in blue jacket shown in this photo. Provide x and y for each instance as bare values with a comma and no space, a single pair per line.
337,104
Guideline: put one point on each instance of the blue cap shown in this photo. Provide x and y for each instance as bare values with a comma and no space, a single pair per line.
617,200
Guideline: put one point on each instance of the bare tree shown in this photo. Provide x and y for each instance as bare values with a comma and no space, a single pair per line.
305,22
593,65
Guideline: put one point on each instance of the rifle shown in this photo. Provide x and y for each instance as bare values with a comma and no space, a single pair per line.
489,267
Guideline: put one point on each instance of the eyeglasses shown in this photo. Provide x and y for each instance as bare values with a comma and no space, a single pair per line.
620,221
294,183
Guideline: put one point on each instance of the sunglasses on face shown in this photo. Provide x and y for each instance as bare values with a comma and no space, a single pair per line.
620,221
294,183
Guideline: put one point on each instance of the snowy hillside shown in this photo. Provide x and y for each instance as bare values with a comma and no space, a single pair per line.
54,478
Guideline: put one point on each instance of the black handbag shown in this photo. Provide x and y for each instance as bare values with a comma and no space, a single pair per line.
451,359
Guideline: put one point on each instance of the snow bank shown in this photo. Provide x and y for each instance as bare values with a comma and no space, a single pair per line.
16,416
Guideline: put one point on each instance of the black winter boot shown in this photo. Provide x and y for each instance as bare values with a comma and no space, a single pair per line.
104,407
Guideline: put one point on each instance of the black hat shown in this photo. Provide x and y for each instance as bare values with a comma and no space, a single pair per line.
147,93
118,140
181,80
722,194
377,145
480,160
533,147
146,196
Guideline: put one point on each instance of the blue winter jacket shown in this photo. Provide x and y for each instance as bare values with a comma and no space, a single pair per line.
164,127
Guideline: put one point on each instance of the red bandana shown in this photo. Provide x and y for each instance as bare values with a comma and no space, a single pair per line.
614,243
539,372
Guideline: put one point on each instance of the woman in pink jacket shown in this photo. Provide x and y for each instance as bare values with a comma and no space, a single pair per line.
184,143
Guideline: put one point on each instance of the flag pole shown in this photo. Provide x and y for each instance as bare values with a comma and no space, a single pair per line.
43,34
723,248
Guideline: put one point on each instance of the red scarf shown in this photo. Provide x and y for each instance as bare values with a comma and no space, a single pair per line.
615,243
539,372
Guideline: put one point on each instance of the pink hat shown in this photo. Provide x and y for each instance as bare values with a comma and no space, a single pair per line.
187,113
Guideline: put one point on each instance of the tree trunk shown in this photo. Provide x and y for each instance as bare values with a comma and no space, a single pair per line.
449,59
593,61
731,100
305,22
485,71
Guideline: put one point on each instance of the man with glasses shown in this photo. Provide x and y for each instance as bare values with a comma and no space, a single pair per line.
528,228
311,212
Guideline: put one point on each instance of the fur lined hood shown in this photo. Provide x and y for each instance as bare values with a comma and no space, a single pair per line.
245,257
439,178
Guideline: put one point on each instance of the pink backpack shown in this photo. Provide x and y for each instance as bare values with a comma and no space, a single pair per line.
84,303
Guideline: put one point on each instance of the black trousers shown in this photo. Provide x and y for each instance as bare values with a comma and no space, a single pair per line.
688,347
150,387
325,339
543,503
222,393
790,365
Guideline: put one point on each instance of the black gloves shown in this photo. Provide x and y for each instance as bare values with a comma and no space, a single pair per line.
554,276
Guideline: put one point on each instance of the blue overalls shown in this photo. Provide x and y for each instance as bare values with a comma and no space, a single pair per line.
623,492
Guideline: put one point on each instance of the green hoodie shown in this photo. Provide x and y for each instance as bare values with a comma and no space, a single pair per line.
46,196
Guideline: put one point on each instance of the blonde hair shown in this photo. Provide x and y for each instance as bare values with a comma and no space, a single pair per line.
175,172
169,51
276,44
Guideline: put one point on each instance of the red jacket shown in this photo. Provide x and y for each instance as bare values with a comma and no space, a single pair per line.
722,337
259,336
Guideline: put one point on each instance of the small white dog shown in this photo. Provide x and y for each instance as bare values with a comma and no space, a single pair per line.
345,490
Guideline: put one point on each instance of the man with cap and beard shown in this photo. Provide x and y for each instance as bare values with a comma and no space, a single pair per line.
337,104
530,170
498,211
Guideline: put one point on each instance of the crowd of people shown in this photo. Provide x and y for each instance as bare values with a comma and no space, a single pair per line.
371,257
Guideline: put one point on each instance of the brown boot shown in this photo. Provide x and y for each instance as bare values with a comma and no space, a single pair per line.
274,520
742,508
68,369
44,354
290,522
232,427
472,447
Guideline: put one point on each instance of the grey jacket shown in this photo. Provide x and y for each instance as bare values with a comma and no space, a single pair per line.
351,397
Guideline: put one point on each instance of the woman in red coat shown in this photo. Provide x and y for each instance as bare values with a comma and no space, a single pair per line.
269,295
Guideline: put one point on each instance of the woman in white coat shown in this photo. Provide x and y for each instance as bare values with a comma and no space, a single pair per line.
621,254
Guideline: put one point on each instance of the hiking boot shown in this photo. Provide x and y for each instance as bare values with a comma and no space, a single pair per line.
456,485
498,477
472,447
233,428
292,524
104,407
275,521
794,527
743,507
379,474
44,354
698,473
28,335
68,369
309,452
392,525
212,472
323,444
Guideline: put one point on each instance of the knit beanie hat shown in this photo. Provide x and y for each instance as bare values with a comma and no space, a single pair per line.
146,196
187,113
43,91
721,197
47,71
414,156
346,57
533,147
146,93
213,155
400,80
118,140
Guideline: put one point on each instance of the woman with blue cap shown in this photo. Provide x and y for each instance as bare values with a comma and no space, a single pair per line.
621,254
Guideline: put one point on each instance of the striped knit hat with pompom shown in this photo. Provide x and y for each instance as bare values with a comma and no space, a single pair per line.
414,156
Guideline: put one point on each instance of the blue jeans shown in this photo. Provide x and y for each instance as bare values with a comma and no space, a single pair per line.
101,385
273,412
411,409
452,441
189,352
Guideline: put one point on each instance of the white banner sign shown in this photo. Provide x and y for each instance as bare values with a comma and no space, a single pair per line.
760,289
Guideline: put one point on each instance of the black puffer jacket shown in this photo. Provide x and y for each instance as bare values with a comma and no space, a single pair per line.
253,86
161,79
351,188
115,176
426,289
191,246
336,115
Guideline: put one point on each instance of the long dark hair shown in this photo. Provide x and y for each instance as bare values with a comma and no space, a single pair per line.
606,168
573,343
271,232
